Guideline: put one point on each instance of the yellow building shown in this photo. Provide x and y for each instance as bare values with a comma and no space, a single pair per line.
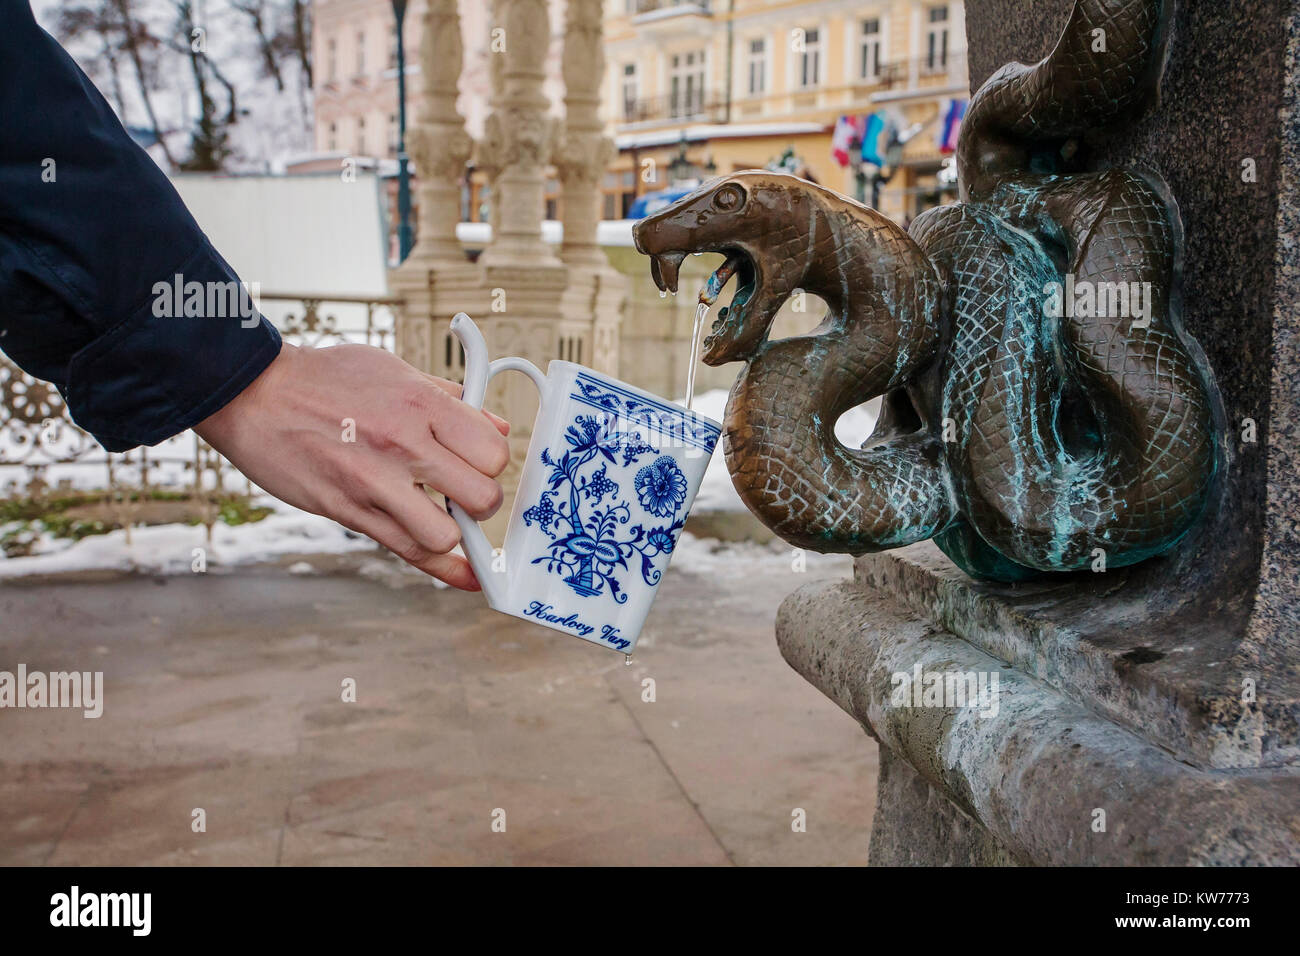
720,85
691,89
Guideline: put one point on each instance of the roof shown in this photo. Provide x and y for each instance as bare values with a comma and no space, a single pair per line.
707,131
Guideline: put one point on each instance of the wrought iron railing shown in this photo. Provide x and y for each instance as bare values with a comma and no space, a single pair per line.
703,106
316,320
923,71
43,454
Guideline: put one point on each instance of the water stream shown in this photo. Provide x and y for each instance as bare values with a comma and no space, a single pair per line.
701,311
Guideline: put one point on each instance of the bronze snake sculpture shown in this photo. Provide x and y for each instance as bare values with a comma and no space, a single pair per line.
1025,427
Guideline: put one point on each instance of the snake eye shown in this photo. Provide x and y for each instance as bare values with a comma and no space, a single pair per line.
728,198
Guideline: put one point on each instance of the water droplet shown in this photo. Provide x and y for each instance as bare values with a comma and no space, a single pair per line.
627,660
663,294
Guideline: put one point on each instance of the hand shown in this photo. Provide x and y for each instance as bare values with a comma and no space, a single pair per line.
286,433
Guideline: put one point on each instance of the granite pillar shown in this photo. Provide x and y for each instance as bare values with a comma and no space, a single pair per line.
437,279
596,293
1148,715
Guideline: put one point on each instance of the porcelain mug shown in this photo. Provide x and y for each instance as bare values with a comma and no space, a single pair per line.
609,478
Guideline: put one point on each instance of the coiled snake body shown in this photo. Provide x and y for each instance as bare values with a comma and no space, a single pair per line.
1023,438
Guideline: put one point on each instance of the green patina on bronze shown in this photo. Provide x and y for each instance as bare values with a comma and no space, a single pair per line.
1019,436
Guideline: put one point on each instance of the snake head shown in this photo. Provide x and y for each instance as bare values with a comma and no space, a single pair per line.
747,218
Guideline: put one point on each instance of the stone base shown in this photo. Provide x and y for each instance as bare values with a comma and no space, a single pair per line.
1037,779
915,825
1175,675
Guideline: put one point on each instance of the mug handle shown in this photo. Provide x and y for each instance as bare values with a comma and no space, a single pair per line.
478,372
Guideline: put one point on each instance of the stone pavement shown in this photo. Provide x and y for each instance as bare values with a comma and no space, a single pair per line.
223,692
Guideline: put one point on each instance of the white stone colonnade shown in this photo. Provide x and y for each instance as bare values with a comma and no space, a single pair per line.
528,300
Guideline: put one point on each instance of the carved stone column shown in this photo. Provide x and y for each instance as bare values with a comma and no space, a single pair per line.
519,135
521,279
596,293
439,143
436,278
489,151
583,151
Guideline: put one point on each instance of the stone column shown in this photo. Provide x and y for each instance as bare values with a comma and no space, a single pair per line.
436,278
521,279
584,151
519,136
489,152
1145,715
439,143
596,293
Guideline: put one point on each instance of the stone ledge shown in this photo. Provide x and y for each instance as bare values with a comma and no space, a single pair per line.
1033,773
1172,675
915,825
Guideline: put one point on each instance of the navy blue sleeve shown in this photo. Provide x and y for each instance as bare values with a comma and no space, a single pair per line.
91,234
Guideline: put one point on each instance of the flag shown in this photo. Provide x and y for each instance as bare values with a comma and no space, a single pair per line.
848,131
950,117
872,139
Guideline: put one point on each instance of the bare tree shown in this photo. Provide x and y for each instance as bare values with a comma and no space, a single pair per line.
258,18
140,45
133,45
300,36
81,21
210,138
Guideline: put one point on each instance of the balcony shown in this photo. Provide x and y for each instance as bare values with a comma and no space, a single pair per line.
657,110
665,18
918,77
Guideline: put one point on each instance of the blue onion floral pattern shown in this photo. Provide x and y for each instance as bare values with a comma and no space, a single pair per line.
661,487
589,521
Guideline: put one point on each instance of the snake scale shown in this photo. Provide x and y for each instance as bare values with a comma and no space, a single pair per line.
1024,430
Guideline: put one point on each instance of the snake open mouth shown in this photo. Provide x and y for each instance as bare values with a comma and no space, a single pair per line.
730,321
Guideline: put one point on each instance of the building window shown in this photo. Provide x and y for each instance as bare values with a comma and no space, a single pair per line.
361,136
618,194
686,85
361,53
810,59
332,143
332,60
869,51
392,47
392,134
631,92
757,67
936,40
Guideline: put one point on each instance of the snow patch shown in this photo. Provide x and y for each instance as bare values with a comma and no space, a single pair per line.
170,548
